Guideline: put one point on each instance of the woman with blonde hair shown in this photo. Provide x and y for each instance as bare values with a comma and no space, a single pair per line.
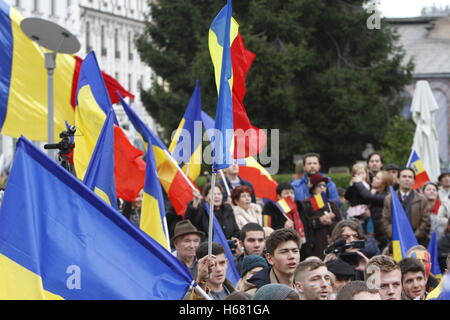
375,197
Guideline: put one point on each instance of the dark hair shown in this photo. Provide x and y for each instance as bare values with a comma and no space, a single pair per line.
375,154
236,193
310,155
352,224
251,226
411,265
279,236
238,295
284,186
202,250
208,186
349,290
410,169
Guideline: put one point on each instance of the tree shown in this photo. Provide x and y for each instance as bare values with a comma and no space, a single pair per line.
398,141
328,82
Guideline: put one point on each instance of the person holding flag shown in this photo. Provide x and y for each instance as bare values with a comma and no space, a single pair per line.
323,215
415,206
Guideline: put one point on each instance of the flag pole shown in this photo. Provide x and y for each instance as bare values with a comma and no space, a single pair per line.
227,187
211,211
202,292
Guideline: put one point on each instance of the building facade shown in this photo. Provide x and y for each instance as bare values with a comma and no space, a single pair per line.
108,27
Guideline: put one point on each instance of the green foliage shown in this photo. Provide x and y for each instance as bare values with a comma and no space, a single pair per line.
398,141
320,75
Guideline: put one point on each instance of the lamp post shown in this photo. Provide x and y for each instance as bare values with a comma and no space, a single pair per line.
56,39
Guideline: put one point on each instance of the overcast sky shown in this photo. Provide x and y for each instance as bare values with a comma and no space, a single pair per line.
407,8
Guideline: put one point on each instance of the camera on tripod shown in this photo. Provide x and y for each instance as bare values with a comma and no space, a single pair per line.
65,147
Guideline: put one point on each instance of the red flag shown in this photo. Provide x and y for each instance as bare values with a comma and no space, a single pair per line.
129,168
251,140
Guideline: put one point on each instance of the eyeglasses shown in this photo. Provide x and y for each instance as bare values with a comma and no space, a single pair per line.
324,185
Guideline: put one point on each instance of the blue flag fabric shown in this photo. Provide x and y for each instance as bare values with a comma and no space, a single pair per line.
99,175
434,256
219,237
445,295
52,224
403,237
224,113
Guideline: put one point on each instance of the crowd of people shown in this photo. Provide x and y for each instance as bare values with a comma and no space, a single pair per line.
341,249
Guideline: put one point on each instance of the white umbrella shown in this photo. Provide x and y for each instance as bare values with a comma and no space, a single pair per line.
426,141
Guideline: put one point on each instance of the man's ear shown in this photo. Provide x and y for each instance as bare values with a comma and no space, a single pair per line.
298,286
269,259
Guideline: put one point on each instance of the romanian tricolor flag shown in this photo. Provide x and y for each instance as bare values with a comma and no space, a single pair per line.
434,256
173,180
61,241
153,212
416,164
249,169
99,176
232,61
318,201
403,237
93,104
186,146
286,205
23,83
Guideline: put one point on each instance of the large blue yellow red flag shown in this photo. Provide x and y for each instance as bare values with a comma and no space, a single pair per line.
219,237
403,237
23,82
58,240
173,180
93,104
186,145
416,164
153,212
99,176
434,256
219,46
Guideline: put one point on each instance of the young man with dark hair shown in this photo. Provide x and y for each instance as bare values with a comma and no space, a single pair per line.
357,290
283,255
252,241
415,206
413,279
311,166
384,272
313,280
211,273
421,253
374,164
232,180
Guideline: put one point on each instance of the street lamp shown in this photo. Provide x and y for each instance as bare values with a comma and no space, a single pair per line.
55,38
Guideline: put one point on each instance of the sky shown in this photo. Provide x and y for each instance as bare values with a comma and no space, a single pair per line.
406,8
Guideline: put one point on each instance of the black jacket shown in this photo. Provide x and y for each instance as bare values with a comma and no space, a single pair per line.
375,200
200,219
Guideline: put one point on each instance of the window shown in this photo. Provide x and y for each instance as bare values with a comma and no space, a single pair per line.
130,82
102,40
52,8
130,44
36,6
116,43
88,37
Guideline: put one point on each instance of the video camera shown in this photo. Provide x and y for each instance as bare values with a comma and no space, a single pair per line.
65,147
340,246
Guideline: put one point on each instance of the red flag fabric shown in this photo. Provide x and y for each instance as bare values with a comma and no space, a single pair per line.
251,140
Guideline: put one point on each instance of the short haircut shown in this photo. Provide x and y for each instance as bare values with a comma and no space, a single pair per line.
308,265
411,265
238,295
410,169
284,186
349,290
202,250
383,264
375,154
251,226
311,155
236,193
279,236
208,186
352,224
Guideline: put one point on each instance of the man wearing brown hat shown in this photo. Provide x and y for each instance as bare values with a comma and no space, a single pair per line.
186,240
